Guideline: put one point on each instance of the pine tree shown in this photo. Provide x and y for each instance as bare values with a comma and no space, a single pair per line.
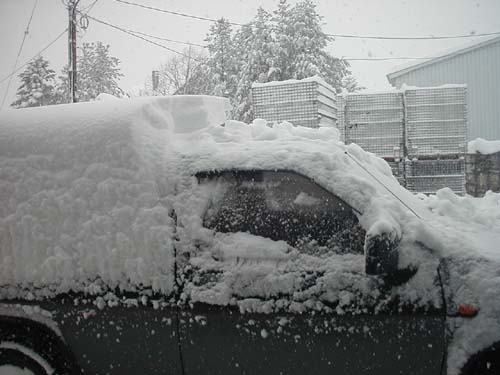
302,47
97,72
282,36
37,85
289,44
222,56
255,43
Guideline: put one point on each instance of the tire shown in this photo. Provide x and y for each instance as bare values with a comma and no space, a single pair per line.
18,359
486,362
29,345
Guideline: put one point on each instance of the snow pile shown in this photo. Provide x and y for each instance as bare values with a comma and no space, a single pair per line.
83,193
469,238
483,146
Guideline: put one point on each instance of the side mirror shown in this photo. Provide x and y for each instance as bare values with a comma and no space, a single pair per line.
381,253
382,258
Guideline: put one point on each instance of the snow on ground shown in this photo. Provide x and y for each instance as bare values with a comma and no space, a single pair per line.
483,146
87,193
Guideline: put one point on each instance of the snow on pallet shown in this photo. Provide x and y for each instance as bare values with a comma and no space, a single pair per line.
310,102
412,124
436,120
374,122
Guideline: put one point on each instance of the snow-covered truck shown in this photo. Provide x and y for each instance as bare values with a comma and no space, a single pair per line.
144,237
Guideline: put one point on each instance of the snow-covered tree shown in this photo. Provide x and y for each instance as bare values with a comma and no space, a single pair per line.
287,44
255,44
302,45
183,74
37,85
222,58
350,84
97,72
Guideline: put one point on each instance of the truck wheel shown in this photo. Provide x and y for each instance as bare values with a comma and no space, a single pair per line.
19,361
31,348
486,362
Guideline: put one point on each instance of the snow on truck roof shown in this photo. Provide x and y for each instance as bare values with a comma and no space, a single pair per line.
75,178
86,191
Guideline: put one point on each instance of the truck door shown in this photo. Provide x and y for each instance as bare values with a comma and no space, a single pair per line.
273,282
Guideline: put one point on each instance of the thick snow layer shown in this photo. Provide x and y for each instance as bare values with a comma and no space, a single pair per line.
483,146
317,79
82,191
466,232
88,191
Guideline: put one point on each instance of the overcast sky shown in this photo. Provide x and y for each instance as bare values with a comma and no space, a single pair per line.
361,17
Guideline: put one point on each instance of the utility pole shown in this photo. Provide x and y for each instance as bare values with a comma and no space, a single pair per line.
72,8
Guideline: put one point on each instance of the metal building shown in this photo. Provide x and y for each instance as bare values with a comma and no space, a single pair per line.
477,66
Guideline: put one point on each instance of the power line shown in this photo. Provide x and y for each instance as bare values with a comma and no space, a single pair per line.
137,34
19,53
440,37
144,39
387,58
38,53
176,13
166,39
352,36
87,11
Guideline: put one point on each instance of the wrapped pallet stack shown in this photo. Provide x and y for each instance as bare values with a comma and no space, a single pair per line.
309,102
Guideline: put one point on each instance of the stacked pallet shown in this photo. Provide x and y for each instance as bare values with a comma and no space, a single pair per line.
420,132
436,120
436,131
310,102
428,176
482,173
375,122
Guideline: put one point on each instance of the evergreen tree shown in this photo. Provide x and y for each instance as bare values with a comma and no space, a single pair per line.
222,58
289,44
282,47
37,85
302,45
255,44
97,72
350,84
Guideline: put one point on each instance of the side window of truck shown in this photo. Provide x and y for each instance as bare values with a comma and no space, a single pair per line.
282,206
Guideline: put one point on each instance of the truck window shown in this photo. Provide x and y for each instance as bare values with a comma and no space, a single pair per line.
283,206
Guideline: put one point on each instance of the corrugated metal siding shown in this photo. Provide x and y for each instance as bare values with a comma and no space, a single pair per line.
480,70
